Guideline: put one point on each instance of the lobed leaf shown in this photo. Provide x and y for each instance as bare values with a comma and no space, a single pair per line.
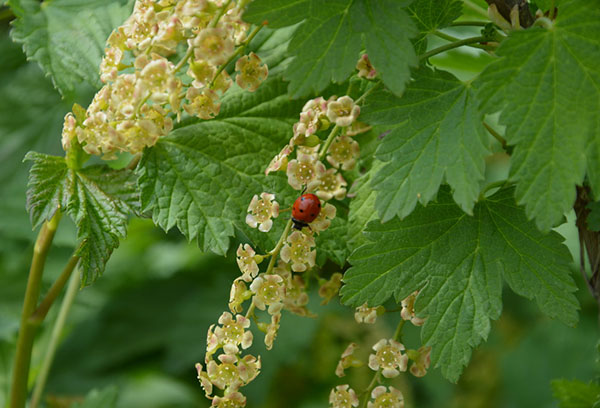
326,45
430,15
547,86
458,262
436,134
67,37
202,176
97,198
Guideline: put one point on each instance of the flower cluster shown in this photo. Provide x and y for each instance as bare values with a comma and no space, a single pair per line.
389,358
308,170
144,91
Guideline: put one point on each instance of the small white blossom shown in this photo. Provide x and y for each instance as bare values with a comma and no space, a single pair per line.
343,111
388,357
386,399
261,211
297,251
343,396
246,262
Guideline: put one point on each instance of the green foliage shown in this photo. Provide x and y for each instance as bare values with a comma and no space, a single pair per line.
430,15
327,44
98,199
576,394
67,37
458,263
436,133
202,176
105,398
547,85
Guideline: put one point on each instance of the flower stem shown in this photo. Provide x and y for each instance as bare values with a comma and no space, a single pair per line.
447,47
448,37
328,142
369,389
398,333
59,325
237,52
18,392
220,14
185,58
367,93
277,248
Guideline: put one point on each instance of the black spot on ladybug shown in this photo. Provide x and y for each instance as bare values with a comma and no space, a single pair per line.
319,204
313,215
301,210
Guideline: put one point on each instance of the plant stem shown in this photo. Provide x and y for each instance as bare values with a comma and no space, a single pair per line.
398,333
59,325
327,143
469,23
367,92
237,52
449,37
496,135
220,14
20,375
369,389
476,7
552,10
495,184
186,57
275,252
447,47
40,313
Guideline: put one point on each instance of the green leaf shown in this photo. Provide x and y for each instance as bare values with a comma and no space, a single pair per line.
430,15
388,30
202,176
575,393
47,186
362,207
31,119
277,13
67,37
325,47
106,398
437,133
101,201
547,86
97,198
457,262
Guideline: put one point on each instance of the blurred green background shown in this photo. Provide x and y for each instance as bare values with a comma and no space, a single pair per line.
138,331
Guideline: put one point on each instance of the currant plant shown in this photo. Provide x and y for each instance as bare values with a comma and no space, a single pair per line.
217,117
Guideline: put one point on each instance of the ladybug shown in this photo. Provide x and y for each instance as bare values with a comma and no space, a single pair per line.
305,209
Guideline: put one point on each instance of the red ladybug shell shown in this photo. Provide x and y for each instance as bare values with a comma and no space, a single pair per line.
305,209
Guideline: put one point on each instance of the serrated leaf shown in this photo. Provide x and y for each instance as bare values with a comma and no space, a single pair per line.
47,186
575,393
202,176
547,86
325,48
67,37
437,133
277,13
98,199
388,30
430,15
457,262
362,207
105,398
326,45
100,203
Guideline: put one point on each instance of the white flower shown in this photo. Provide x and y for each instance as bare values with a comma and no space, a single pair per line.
261,210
